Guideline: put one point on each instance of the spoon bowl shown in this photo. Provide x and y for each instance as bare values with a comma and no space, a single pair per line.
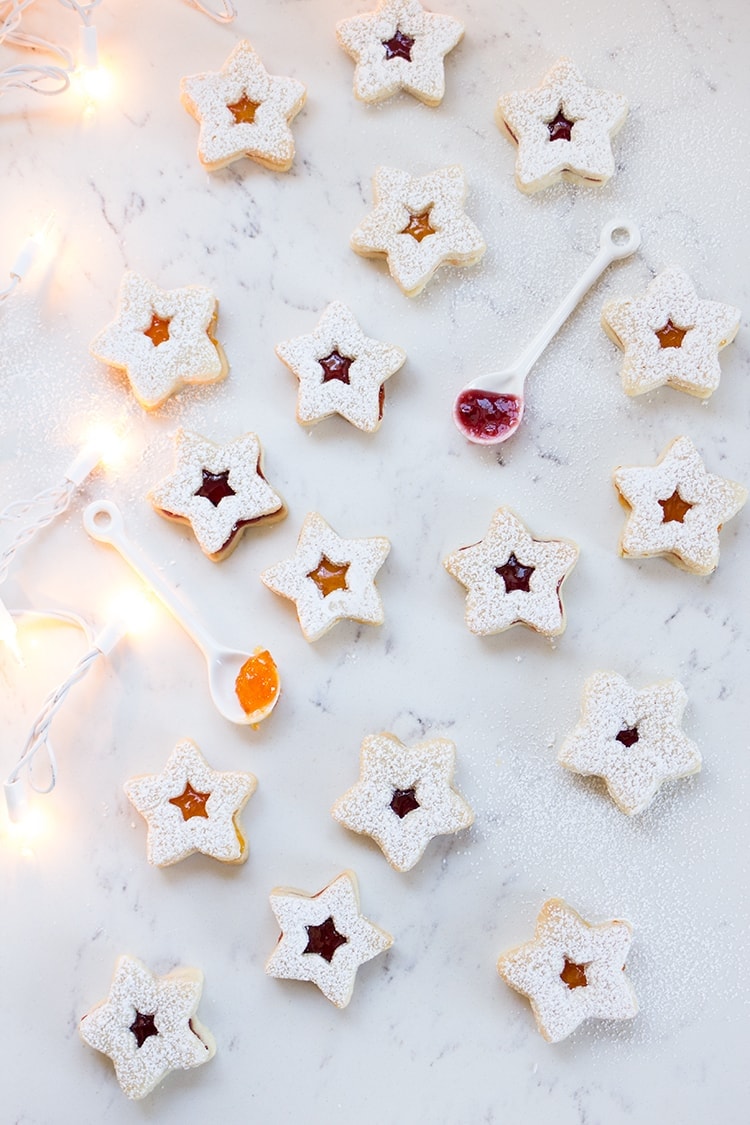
244,686
489,410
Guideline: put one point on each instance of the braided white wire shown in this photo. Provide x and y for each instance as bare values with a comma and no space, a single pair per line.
42,79
53,502
225,16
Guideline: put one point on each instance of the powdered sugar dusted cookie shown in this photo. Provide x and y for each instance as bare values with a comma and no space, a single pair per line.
404,797
330,578
399,46
324,937
512,578
190,807
219,490
243,111
418,224
563,129
162,339
340,370
676,508
670,337
632,739
571,971
148,1026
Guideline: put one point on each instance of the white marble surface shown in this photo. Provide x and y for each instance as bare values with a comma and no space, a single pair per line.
432,1035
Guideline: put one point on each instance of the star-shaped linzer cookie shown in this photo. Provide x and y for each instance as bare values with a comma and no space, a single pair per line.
676,508
670,337
330,578
404,797
563,129
571,971
399,46
163,339
324,937
632,739
243,111
190,807
512,578
219,490
418,224
148,1026
340,370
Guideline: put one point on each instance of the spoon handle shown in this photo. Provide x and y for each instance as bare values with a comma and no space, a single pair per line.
104,523
618,239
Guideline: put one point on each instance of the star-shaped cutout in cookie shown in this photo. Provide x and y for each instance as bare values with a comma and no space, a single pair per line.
633,739
404,797
340,370
563,129
418,224
162,339
571,971
324,937
330,578
676,508
399,46
670,337
220,490
148,1026
190,807
243,111
512,578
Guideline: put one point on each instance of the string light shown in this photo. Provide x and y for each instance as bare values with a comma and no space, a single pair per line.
27,255
226,15
20,779
41,79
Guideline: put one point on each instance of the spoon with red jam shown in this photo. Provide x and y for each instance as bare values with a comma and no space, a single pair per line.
489,410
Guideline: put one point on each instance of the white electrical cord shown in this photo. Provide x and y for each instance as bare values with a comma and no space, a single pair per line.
42,79
225,16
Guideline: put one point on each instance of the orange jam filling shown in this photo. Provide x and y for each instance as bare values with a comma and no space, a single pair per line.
573,975
190,802
419,226
330,576
674,508
243,110
158,330
257,683
670,336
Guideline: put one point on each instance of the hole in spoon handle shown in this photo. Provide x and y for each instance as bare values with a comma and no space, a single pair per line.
620,238
103,521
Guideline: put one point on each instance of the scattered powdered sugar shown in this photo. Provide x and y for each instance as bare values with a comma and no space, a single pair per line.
651,747
399,198
187,356
360,398
272,103
423,772
592,118
248,499
212,829
690,364
357,599
338,903
598,952
175,1039
491,604
690,538
424,39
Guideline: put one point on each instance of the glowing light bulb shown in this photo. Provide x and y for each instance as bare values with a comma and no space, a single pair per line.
9,632
134,610
108,444
95,79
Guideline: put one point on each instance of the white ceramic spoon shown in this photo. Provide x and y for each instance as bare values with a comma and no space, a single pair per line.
489,410
103,521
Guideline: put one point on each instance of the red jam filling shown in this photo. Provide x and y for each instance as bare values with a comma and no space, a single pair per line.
670,336
399,46
628,736
215,487
560,127
158,330
143,1027
324,940
573,975
674,508
403,802
336,366
515,575
487,416
190,802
